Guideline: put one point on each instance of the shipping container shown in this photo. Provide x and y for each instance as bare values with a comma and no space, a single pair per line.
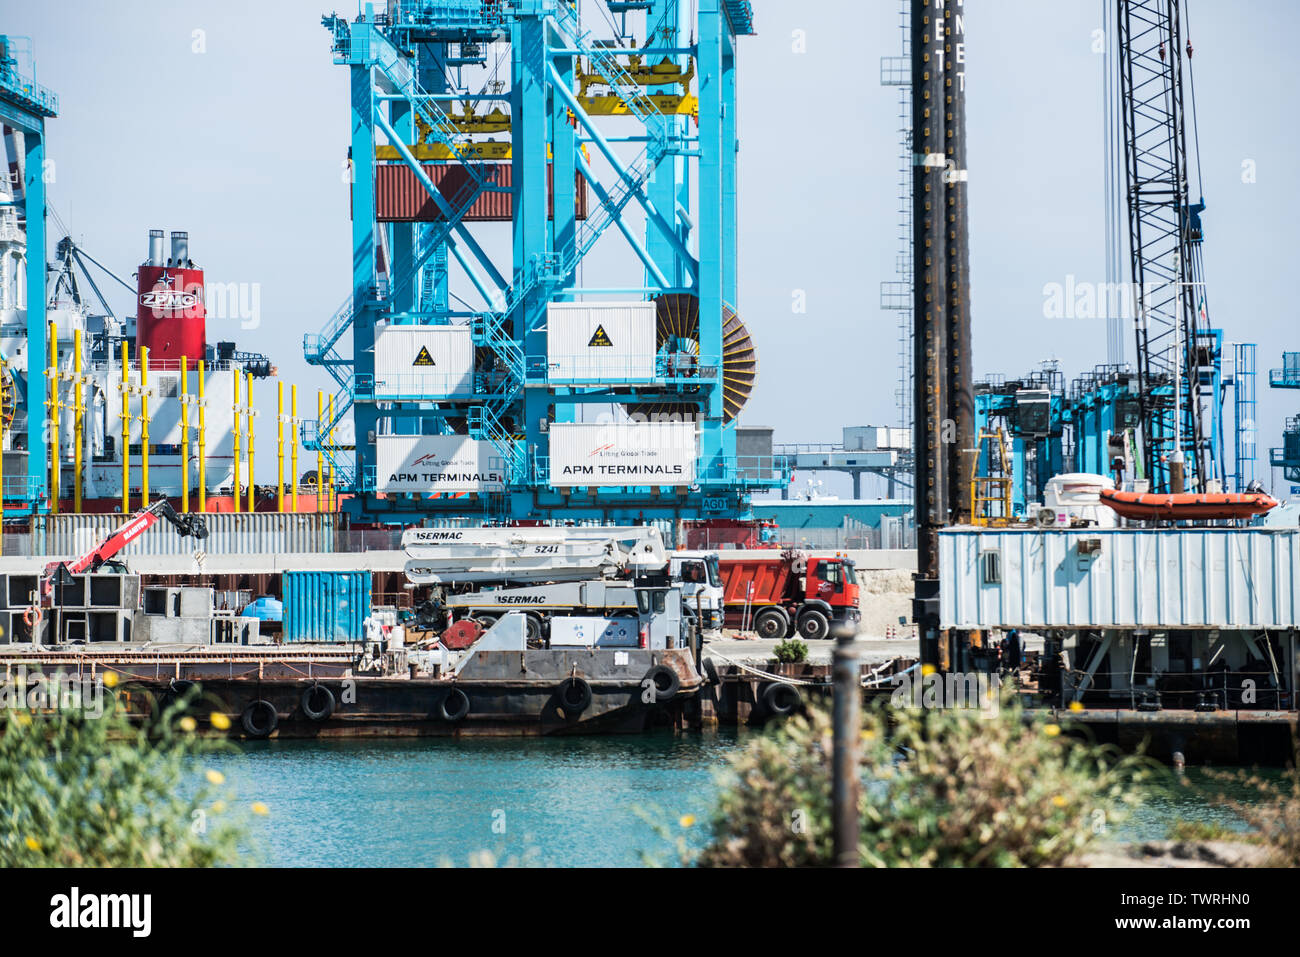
400,197
600,342
325,606
1222,578
426,361
229,533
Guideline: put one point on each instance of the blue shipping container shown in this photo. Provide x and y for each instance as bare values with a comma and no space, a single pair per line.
325,606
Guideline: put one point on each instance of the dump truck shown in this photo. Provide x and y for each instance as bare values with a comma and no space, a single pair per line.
777,594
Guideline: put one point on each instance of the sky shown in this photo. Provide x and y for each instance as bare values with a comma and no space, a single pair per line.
230,120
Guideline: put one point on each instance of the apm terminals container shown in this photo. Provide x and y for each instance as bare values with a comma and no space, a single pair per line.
325,606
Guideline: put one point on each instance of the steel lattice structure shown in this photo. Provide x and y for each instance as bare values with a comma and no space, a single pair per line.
1164,240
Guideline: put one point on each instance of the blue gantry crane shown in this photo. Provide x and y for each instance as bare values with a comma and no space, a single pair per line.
480,397
25,105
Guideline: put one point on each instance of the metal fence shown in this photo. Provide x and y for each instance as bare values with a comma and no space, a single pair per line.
894,532
229,533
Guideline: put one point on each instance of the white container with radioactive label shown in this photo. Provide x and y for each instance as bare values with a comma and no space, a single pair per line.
600,342
423,361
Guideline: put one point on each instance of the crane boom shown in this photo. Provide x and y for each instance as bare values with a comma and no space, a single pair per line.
1164,241
135,526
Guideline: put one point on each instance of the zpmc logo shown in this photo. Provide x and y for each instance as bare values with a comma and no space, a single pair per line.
163,298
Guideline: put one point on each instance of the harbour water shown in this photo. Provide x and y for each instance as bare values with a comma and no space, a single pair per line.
543,802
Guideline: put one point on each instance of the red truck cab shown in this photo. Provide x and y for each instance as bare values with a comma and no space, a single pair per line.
777,594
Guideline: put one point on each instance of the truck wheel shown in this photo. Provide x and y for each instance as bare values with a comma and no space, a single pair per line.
772,623
814,625
532,629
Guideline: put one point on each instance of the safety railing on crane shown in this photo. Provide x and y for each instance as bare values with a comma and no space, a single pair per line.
1287,377
676,368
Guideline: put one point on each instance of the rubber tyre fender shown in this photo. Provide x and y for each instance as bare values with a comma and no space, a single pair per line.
664,680
814,625
782,699
711,672
454,706
574,694
269,719
779,625
327,702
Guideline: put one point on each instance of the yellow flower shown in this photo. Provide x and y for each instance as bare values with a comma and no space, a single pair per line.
188,723
1051,730
867,734
218,807
219,721
110,679
214,776
260,808
33,844
1059,800
1076,705
686,820
23,719
927,670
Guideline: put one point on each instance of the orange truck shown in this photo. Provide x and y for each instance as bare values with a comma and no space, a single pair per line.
779,593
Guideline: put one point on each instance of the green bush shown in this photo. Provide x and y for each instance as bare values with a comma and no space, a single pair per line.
79,790
791,651
1271,814
940,788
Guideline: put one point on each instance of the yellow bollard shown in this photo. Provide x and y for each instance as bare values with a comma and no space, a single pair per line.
52,373
185,434
125,413
78,421
144,426
329,494
252,485
279,446
203,438
237,487
293,425
320,439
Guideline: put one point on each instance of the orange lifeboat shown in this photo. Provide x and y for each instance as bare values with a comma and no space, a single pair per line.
1188,506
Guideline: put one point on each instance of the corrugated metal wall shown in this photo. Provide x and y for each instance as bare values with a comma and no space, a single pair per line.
1168,578
228,534
325,606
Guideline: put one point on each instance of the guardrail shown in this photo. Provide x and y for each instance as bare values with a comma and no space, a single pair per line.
586,369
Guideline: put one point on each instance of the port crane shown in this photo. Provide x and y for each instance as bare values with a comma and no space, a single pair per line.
135,526
1176,349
